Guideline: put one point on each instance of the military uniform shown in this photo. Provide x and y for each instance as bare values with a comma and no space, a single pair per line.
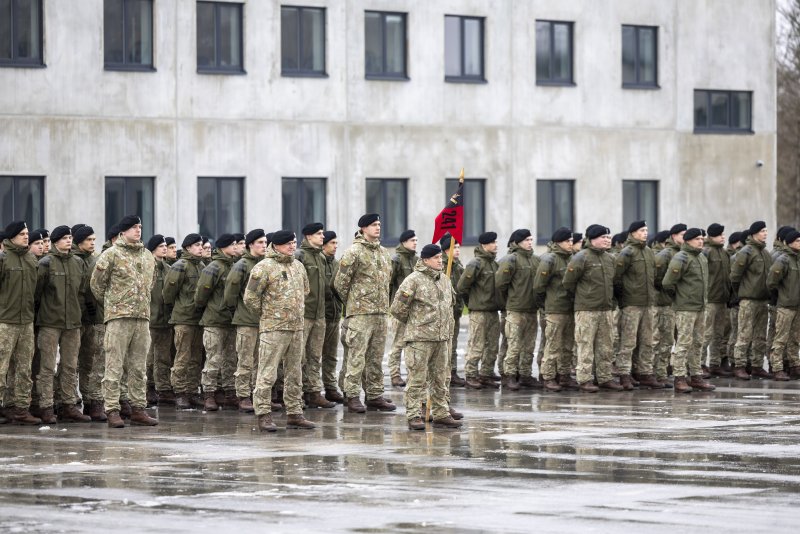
333,316
717,320
664,332
403,263
784,278
246,323
313,261
88,384
458,308
749,278
159,357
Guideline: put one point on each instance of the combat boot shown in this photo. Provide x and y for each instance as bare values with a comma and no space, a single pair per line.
3,420
588,387
333,395
665,383
166,397
354,405
246,405
140,417
759,372
416,423
182,402
649,382
698,382
47,416
125,409
509,382
298,421
275,406
781,376
612,386
794,372
681,386
456,381
456,415
69,413
487,382
706,372
210,404
551,385
97,411
219,397
265,423
114,420
472,382
726,364
567,382
718,370
316,400
380,404
22,416
740,373
446,422
196,401
231,400
152,396
529,382
625,382
398,382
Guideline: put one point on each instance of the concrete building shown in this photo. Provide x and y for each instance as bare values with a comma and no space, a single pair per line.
563,111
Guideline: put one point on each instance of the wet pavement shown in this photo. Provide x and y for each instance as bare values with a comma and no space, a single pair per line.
526,461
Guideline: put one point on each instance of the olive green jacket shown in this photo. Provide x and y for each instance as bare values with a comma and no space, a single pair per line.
687,279
403,263
784,277
61,284
235,285
210,291
590,279
749,271
635,275
547,282
159,312
89,304
333,304
179,289
313,261
719,273
664,298
455,276
514,279
17,284
477,283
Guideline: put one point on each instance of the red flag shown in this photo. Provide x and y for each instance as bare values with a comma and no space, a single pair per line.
451,218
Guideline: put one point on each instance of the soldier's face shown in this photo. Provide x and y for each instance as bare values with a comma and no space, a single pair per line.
331,247
21,239
576,247
64,244
434,263
46,244
195,249
456,250
258,247
527,243
696,243
640,234
206,250
411,244
761,236
88,244
37,248
490,247
719,240
373,231
795,245
240,248
316,239
172,251
678,238
133,234
566,245
161,251
287,249
603,242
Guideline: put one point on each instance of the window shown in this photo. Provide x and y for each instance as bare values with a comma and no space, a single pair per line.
130,196
21,33
554,53
303,203
463,49
220,206
640,203
385,45
219,38
302,41
639,56
723,111
128,29
22,199
474,207
387,197
555,207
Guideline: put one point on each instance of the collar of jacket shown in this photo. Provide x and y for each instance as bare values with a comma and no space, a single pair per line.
481,252
329,259
121,243
516,249
553,248
58,254
758,244
403,250
791,252
635,243
221,256
672,244
690,249
249,256
305,246
596,250
714,245
369,244
421,267
16,249
186,255
277,256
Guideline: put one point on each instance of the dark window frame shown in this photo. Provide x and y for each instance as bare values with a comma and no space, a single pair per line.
553,225
307,73
468,78
559,82
15,62
218,180
15,194
451,184
302,201
652,225
125,192
383,75
390,240
217,40
125,66
709,128
638,84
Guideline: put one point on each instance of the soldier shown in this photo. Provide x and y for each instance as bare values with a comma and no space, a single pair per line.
590,281
240,244
159,357
784,278
36,246
17,292
687,279
477,286
179,290
559,318
717,321
749,279
664,335
172,251
207,249
634,284
122,280
218,333
778,248
514,283
276,292
458,308
310,255
423,304
245,321
577,242
403,262
735,242
333,316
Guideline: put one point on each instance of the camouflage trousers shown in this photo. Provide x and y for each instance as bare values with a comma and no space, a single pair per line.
772,319
786,340
503,350
185,376
594,336
734,320
275,348
663,339
314,339
398,344
330,349
752,333
636,332
717,329
159,359
247,360
484,336
88,385
126,343
560,331
454,340
428,375
16,355
521,331
617,320
366,342
542,329
57,387
220,344
691,328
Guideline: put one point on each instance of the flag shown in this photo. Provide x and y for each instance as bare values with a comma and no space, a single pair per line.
451,218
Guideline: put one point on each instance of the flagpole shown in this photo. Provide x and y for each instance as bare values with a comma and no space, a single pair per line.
452,240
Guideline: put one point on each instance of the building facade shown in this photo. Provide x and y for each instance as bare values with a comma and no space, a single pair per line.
225,116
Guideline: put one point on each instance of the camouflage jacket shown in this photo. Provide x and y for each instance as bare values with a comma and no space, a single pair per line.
455,276
333,304
363,279
687,279
179,288
719,273
403,263
635,275
749,271
424,302
477,283
122,279
663,298
784,277
514,279
277,291
159,312
547,282
314,262
590,278
61,285
235,285
17,284
99,314
210,291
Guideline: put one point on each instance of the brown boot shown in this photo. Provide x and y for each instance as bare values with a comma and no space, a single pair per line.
275,406
210,404
588,387
612,386
472,382
718,370
416,423
665,383
246,405
114,420
139,417
125,409
196,401
487,382
509,382
529,382
182,402
47,416
69,413
265,423
568,383
781,376
698,382
298,421
625,382
456,381
681,386
398,382
379,404
22,416
794,373
649,382
152,396
446,422
231,400
333,395
551,385
706,372
316,400
97,411
166,397
219,397
458,416
354,405
740,373
759,372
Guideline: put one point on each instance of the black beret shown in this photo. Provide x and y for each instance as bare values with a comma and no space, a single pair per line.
429,251
254,235
205,239
112,232
444,242
519,235
619,238
662,236
225,240
169,240
327,236
44,232
735,237
312,228
677,228
562,234
238,236
76,227
487,237
191,239
34,236
59,232
757,227
81,234
408,234
577,237
692,233
782,231
269,237
636,225
597,230
368,219
128,222
155,242
715,230
281,237
791,236
13,229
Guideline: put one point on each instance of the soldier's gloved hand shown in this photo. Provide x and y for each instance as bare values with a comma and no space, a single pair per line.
91,309
773,297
